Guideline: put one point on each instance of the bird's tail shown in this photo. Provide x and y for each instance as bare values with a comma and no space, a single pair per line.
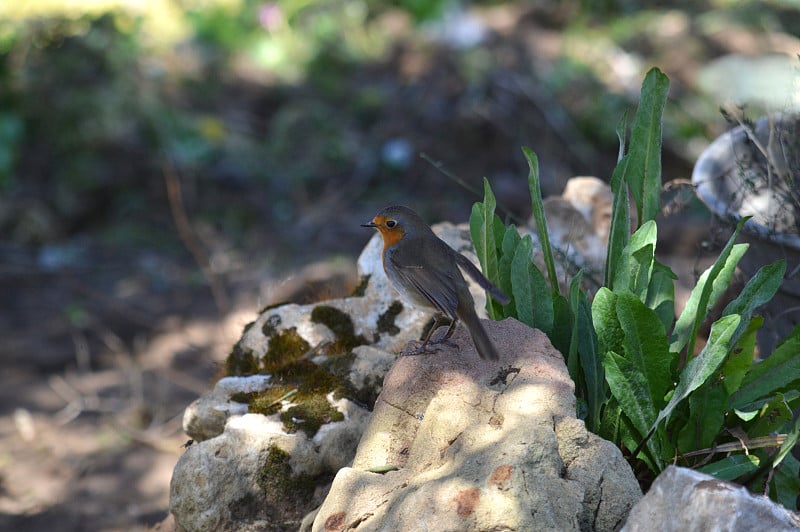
481,340
481,279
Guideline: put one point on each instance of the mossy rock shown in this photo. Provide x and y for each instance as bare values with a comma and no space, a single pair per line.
342,326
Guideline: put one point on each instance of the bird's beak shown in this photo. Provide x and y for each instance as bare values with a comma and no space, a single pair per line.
369,224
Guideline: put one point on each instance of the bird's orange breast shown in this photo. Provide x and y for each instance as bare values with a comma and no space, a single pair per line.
391,235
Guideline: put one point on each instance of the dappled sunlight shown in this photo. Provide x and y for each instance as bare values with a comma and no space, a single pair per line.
168,168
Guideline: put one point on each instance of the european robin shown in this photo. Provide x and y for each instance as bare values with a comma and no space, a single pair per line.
425,271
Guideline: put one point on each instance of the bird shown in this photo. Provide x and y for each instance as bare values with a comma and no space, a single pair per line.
427,273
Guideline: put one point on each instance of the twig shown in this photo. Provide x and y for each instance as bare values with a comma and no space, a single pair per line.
440,167
189,239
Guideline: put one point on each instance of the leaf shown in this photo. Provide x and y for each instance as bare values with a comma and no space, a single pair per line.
630,387
645,149
509,245
709,287
562,323
606,325
573,362
780,369
619,232
731,467
622,128
661,294
593,374
645,345
529,289
706,417
758,290
699,368
786,482
482,230
741,356
535,188
771,417
636,262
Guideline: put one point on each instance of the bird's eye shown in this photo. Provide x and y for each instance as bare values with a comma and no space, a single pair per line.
390,223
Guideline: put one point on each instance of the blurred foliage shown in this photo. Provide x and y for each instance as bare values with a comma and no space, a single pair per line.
284,102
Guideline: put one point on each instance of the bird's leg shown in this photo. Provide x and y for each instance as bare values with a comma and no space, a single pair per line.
423,347
450,330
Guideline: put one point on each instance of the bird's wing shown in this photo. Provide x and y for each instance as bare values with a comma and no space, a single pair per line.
438,285
479,278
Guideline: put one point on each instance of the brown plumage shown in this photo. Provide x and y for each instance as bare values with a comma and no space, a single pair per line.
425,270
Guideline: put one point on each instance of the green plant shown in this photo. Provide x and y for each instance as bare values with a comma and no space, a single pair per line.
640,379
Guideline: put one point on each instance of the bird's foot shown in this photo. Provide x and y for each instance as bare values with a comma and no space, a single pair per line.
421,348
445,341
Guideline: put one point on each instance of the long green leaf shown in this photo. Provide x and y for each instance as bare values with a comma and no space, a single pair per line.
622,130
771,417
732,467
786,480
562,323
630,387
482,230
645,345
636,262
620,230
591,364
698,369
778,370
535,188
661,293
606,324
706,417
645,150
741,356
705,293
511,241
532,298
758,290
573,361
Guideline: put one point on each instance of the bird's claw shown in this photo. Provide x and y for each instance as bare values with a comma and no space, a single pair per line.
421,348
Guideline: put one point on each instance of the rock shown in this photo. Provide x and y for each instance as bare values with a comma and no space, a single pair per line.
206,417
256,476
373,326
578,224
481,445
683,499
322,365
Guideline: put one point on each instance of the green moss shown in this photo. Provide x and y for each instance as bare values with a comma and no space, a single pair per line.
287,360
283,348
310,415
361,289
241,361
386,320
274,305
271,324
242,397
269,401
277,480
341,325
339,365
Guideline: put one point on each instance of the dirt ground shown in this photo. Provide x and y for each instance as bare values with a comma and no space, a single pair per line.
92,393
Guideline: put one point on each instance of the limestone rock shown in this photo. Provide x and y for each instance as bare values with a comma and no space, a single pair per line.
206,417
578,224
481,445
255,476
683,499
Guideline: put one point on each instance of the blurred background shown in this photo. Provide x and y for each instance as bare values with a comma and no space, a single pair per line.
169,167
